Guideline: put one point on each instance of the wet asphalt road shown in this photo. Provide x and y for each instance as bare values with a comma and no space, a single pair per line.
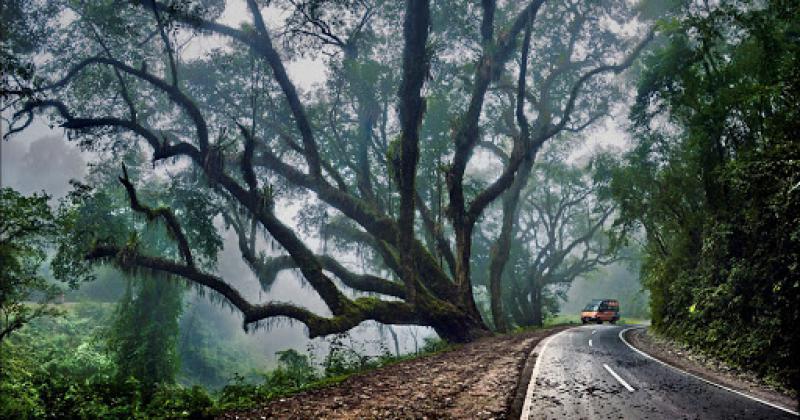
573,382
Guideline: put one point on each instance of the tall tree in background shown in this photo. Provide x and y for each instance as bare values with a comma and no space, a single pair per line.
233,125
144,334
564,231
566,63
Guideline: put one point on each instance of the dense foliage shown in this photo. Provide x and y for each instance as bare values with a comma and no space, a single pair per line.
63,368
144,333
27,226
714,180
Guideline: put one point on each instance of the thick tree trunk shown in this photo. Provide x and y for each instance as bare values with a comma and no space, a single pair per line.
455,328
498,257
513,304
536,305
411,109
463,276
502,246
527,310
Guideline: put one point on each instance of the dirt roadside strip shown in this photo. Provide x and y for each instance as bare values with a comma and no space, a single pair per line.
683,359
479,380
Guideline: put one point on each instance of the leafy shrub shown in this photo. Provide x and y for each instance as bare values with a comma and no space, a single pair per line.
343,359
19,398
240,393
294,372
172,401
434,345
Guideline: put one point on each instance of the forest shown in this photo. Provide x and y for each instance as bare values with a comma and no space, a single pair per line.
206,205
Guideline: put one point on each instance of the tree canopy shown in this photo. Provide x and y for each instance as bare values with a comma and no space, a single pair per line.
383,153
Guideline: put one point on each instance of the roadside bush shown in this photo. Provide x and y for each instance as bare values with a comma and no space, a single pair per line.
294,372
434,345
343,359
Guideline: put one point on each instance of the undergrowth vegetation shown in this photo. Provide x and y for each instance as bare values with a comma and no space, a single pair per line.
63,368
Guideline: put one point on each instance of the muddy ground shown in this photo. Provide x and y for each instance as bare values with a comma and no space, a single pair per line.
475,381
707,368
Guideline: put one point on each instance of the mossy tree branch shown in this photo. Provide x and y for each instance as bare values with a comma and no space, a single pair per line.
267,268
173,226
357,311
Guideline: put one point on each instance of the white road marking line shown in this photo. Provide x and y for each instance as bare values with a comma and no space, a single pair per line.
526,406
702,379
617,377
590,342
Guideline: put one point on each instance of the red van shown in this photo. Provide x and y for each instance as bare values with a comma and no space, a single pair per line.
600,310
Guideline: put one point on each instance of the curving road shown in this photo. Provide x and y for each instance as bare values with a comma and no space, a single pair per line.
588,372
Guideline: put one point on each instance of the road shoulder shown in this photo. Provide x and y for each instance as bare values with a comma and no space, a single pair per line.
682,358
476,381
526,375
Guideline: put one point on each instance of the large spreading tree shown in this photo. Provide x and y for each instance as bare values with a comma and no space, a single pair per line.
564,232
384,155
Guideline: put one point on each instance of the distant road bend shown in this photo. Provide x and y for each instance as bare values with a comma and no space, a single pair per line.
589,372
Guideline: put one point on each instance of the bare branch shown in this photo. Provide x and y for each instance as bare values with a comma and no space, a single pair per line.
167,44
468,133
161,150
575,91
435,230
279,71
173,92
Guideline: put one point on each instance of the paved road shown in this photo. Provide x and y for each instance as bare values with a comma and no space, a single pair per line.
589,373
